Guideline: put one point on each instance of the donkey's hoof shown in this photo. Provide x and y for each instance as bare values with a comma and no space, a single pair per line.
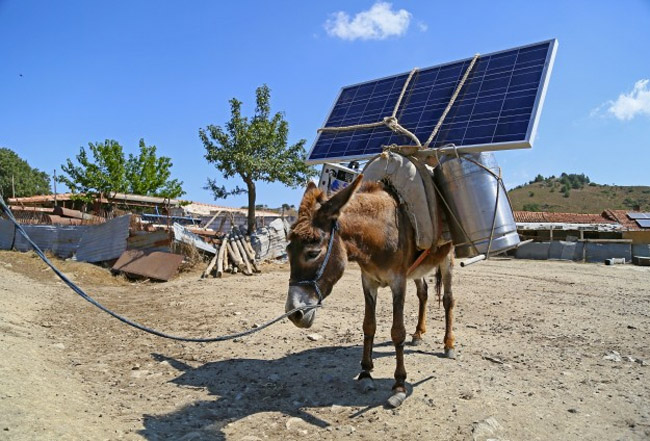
417,341
397,399
366,385
450,353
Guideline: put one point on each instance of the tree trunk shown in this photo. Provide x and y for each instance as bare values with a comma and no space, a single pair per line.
251,206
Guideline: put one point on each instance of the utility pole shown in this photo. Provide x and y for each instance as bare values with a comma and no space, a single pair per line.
13,187
54,183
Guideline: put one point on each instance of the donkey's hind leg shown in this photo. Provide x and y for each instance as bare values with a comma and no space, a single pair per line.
369,327
421,328
448,302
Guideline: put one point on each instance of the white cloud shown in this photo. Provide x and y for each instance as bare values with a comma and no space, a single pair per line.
423,26
629,105
377,23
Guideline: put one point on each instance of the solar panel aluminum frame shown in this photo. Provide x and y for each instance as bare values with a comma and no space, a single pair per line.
474,148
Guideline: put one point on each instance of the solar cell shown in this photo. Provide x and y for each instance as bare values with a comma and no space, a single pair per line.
497,107
638,215
643,223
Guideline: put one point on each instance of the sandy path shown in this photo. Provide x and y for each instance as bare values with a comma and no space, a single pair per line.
531,340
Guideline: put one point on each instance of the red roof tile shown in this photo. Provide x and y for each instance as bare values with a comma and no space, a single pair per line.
566,218
621,217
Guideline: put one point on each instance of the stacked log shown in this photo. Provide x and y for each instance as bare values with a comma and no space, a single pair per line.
234,254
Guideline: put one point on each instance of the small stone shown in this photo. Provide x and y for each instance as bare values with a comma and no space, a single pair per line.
641,362
314,337
613,356
486,429
58,346
572,410
295,424
256,325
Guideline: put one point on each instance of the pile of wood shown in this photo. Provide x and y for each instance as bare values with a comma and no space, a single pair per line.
234,254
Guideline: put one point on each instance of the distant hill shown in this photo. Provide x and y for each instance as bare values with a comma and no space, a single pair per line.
572,193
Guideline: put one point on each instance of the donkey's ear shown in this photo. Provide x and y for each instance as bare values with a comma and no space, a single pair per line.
310,187
331,209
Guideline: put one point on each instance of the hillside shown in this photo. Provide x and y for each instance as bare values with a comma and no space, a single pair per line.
572,193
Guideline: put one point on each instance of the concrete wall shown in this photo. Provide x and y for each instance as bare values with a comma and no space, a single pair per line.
641,249
563,250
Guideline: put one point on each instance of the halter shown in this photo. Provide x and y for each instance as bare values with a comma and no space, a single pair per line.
314,282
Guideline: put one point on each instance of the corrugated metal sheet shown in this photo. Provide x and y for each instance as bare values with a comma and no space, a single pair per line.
182,235
154,265
105,241
6,234
61,240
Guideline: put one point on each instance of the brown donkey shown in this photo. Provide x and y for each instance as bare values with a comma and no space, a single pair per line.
370,227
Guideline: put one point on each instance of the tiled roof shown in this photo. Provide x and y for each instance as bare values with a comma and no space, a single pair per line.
569,218
621,217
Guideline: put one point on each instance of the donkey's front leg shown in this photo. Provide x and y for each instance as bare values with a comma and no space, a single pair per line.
369,328
423,295
448,301
398,335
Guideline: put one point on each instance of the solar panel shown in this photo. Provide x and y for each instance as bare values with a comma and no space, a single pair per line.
638,215
497,107
643,223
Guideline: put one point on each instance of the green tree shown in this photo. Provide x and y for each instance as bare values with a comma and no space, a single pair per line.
110,171
254,150
27,181
148,174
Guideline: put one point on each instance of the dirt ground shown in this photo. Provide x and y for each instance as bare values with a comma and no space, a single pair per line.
535,360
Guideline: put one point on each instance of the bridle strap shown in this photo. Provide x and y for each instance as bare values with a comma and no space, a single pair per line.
314,282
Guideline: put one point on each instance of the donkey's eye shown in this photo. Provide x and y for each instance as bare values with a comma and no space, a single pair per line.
312,254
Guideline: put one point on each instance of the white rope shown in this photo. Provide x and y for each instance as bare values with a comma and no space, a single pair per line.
389,121
452,100
393,123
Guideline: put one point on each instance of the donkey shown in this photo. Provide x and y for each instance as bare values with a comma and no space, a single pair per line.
364,224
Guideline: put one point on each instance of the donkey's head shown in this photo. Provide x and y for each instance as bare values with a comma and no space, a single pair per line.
316,253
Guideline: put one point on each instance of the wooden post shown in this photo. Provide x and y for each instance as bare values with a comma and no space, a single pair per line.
242,261
205,227
244,255
208,270
220,258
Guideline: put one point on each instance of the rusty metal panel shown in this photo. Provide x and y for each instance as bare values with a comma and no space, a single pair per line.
55,219
61,240
6,234
105,241
182,235
140,240
156,265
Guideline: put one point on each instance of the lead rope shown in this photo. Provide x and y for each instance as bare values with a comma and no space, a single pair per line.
125,320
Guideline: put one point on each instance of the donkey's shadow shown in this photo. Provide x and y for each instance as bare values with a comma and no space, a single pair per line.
290,385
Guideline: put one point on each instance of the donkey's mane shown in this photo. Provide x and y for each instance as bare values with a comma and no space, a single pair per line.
303,227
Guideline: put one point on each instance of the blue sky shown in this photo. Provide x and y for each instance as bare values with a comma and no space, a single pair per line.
73,72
